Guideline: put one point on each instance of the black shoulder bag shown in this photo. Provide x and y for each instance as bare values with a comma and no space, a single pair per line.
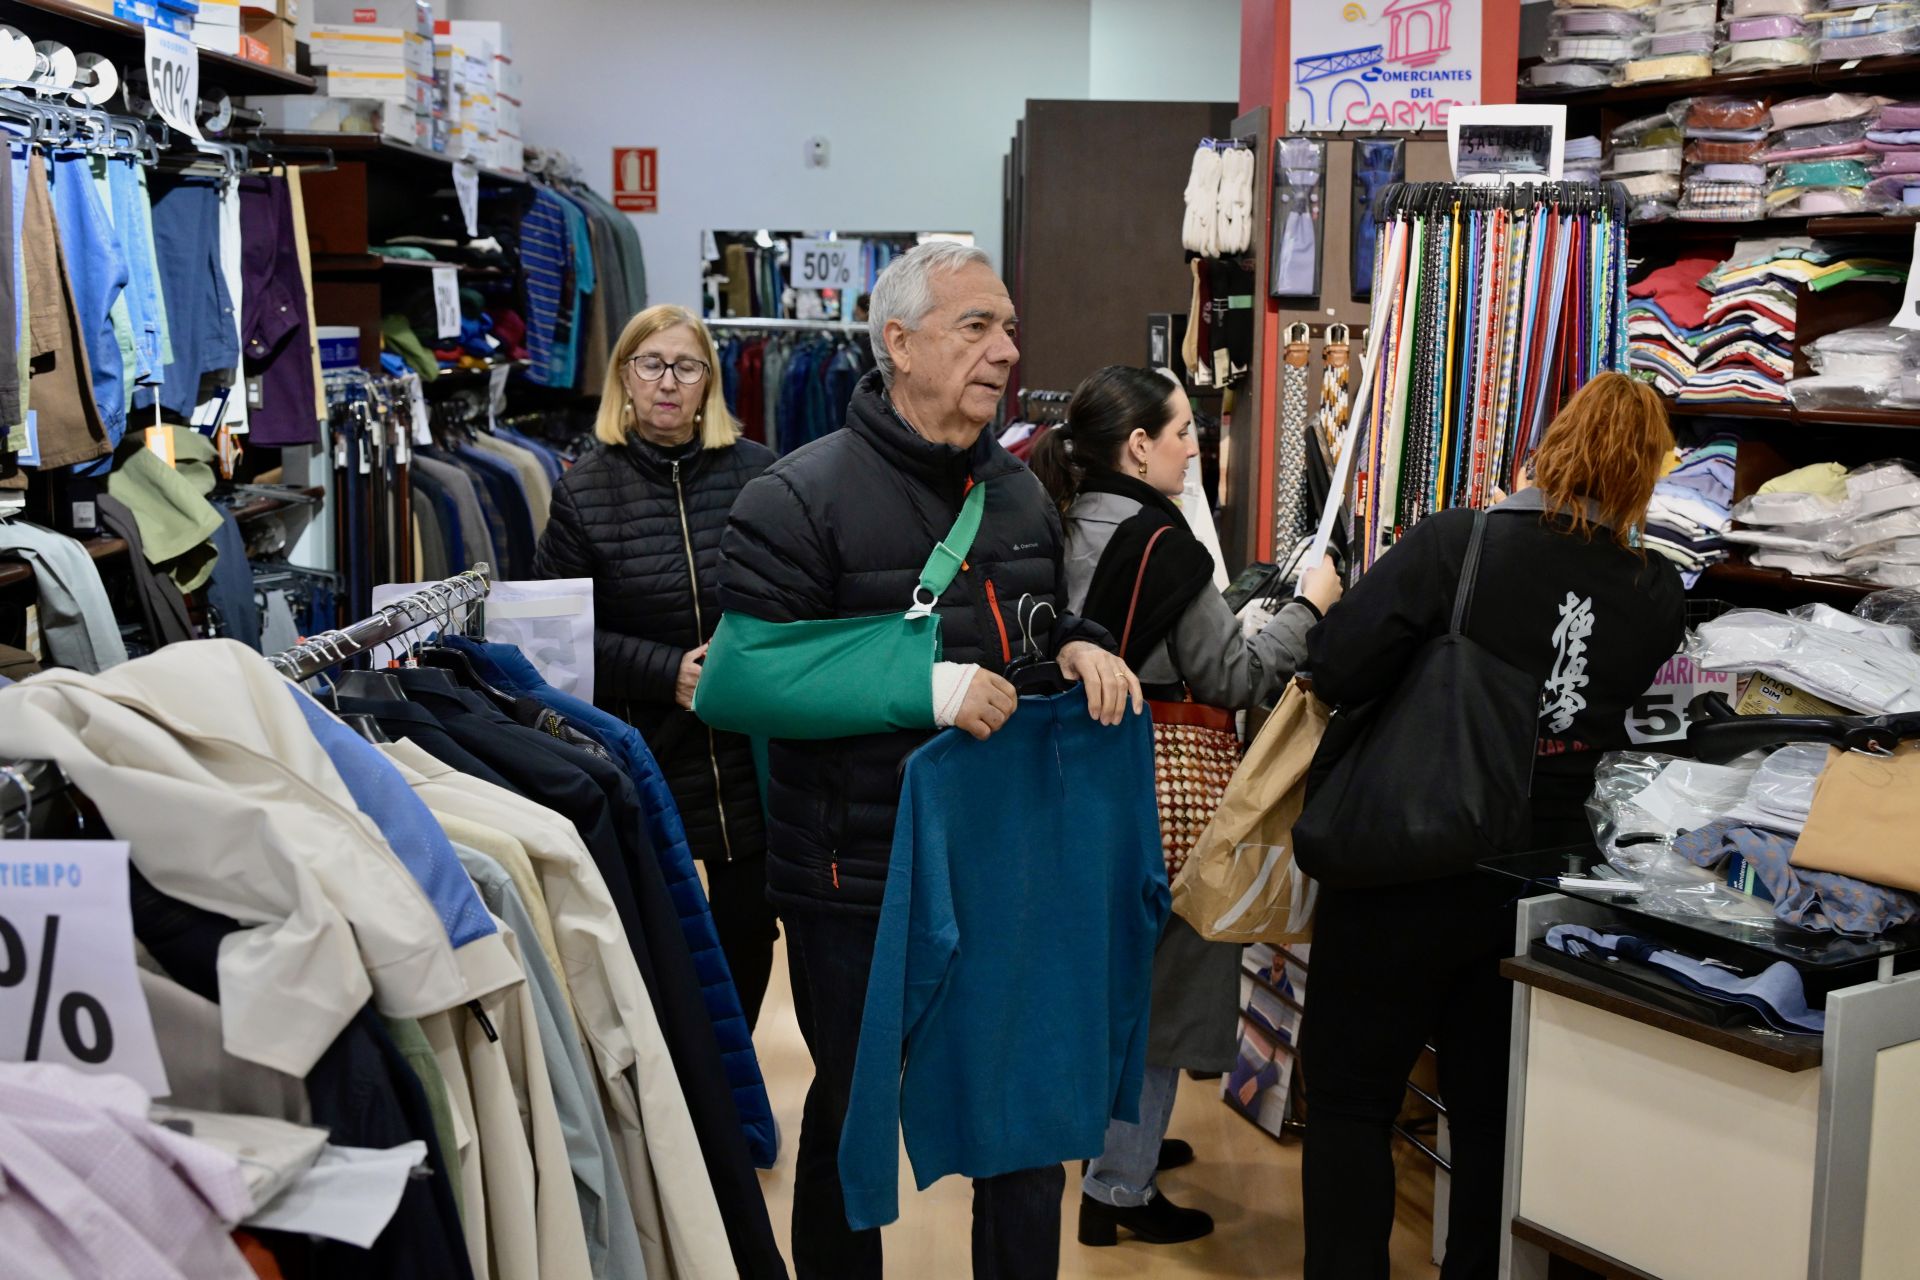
1438,776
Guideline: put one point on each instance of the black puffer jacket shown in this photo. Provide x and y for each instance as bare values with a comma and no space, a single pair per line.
645,525
841,529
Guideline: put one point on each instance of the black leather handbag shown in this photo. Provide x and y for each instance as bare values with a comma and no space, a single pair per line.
1432,778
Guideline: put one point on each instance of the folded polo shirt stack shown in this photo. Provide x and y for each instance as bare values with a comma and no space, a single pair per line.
1590,41
1691,509
1894,142
1818,160
1645,157
1680,46
1724,179
1865,527
1854,29
1765,35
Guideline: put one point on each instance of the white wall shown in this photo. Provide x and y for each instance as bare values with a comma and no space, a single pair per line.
1164,50
917,99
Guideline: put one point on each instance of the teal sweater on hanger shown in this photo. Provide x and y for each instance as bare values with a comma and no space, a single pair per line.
1024,900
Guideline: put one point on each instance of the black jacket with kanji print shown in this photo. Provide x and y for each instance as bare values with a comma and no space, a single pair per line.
1592,621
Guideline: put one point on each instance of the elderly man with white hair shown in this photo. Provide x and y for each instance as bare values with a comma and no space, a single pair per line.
842,529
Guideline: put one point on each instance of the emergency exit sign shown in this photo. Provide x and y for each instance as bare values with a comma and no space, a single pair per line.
636,179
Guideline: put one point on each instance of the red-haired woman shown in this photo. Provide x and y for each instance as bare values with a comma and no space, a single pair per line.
1565,593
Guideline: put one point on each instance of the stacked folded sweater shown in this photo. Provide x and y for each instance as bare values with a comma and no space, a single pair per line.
1852,29
1691,509
1725,179
1699,341
1822,522
1680,46
1646,157
1589,43
1894,142
1580,162
1765,35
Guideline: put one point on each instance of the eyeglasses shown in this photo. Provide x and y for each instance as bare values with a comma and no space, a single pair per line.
653,368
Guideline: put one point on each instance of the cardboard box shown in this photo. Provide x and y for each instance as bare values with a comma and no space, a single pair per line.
408,15
330,45
1766,696
287,9
273,38
216,38
469,33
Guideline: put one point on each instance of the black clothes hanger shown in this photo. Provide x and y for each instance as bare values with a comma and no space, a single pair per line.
1725,735
370,684
1032,674
459,669
366,726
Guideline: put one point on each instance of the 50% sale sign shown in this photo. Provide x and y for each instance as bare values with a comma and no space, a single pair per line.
69,989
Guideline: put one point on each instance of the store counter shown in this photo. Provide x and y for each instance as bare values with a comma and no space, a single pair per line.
1645,1140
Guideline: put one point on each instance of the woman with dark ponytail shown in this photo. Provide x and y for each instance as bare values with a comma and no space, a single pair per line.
1114,469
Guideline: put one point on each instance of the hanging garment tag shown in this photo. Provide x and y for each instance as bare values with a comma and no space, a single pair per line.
497,393
256,392
69,990
160,440
466,189
30,456
365,458
446,302
86,517
173,80
1222,367
227,446
1908,317
422,420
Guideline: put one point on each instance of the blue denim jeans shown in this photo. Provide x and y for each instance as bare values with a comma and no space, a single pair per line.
1123,1176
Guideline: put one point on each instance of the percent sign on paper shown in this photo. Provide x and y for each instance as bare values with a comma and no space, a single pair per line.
69,990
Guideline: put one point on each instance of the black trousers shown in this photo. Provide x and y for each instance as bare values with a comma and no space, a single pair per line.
1390,970
747,925
1016,1217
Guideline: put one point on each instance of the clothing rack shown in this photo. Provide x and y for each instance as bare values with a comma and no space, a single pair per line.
27,786
1048,408
330,649
776,326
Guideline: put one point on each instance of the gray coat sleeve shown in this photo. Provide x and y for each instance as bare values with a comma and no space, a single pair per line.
1224,668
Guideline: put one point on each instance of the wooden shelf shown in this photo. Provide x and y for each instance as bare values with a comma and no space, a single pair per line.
13,571
378,150
349,264
1737,577
264,506
1787,415
90,31
1783,1053
1898,71
1850,226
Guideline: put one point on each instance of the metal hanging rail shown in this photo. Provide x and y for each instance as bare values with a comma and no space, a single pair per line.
821,326
329,649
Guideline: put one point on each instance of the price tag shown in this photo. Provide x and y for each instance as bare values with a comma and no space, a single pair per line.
422,420
497,393
824,264
1908,317
1662,713
173,80
69,991
466,189
446,301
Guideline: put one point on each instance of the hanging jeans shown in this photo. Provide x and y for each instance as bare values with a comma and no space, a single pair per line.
1016,1216
1376,165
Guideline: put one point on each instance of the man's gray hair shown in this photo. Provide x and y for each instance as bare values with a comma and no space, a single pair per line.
904,291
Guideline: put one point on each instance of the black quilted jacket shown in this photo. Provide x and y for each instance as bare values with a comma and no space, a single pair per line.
645,525
841,529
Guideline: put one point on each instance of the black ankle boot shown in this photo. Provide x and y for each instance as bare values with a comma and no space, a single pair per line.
1159,1221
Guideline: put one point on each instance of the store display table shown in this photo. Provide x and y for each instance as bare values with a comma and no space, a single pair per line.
1644,1142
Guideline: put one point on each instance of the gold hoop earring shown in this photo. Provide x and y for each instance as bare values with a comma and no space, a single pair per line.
1143,471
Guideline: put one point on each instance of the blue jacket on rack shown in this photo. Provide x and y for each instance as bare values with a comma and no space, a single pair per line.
1025,896
507,668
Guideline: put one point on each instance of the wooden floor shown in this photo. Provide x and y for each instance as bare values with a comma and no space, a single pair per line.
1248,1182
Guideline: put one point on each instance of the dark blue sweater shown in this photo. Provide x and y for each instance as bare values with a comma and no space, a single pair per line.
1024,898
